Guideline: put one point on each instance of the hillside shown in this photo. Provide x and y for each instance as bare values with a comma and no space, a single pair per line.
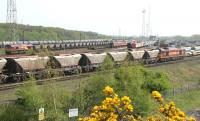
46,33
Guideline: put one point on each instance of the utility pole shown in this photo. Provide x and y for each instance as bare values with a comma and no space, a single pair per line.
11,19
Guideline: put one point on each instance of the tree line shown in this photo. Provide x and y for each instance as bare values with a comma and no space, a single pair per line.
28,32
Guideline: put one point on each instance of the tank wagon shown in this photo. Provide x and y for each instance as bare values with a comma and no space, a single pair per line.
18,69
196,50
69,44
188,51
118,43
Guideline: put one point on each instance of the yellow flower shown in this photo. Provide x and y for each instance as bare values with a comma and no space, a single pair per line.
108,90
107,101
191,119
161,109
171,103
157,96
126,100
181,114
116,101
128,108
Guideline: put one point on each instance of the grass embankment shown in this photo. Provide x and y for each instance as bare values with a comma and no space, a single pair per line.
188,100
70,85
181,74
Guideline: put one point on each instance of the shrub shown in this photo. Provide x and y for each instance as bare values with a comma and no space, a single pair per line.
156,81
12,113
114,108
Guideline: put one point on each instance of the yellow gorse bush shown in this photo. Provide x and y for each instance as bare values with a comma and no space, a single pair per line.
169,109
114,108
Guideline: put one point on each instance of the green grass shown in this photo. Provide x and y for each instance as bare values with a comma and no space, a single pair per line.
182,73
69,85
188,100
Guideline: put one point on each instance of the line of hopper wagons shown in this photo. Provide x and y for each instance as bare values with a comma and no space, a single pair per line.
21,47
19,69
11,48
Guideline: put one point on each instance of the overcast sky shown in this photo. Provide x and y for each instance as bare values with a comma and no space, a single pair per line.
168,17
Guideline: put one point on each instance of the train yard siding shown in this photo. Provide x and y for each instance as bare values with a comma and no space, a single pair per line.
16,69
175,71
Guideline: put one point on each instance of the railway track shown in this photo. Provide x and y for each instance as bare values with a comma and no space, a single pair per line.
174,62
5,87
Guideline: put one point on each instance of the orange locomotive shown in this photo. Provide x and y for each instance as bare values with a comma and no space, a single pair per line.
170,54
17,48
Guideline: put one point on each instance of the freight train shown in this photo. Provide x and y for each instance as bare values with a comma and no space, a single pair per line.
21,47
18,69
58,45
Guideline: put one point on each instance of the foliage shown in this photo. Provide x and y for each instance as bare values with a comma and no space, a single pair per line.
113,108
129,82
47,33
125,80
169,109
54,100
89,95
12,113
156,81
107,64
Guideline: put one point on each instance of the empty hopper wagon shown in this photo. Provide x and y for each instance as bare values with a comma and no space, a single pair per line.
18,69
67,63
151,56
118,57
2,76
91,62
136,55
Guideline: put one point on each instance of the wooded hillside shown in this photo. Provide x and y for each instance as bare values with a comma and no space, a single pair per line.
46,33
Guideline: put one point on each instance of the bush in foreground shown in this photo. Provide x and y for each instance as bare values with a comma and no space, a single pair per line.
114,108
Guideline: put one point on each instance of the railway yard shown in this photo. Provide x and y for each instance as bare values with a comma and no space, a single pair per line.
174,69
99,60
71,68
72,61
